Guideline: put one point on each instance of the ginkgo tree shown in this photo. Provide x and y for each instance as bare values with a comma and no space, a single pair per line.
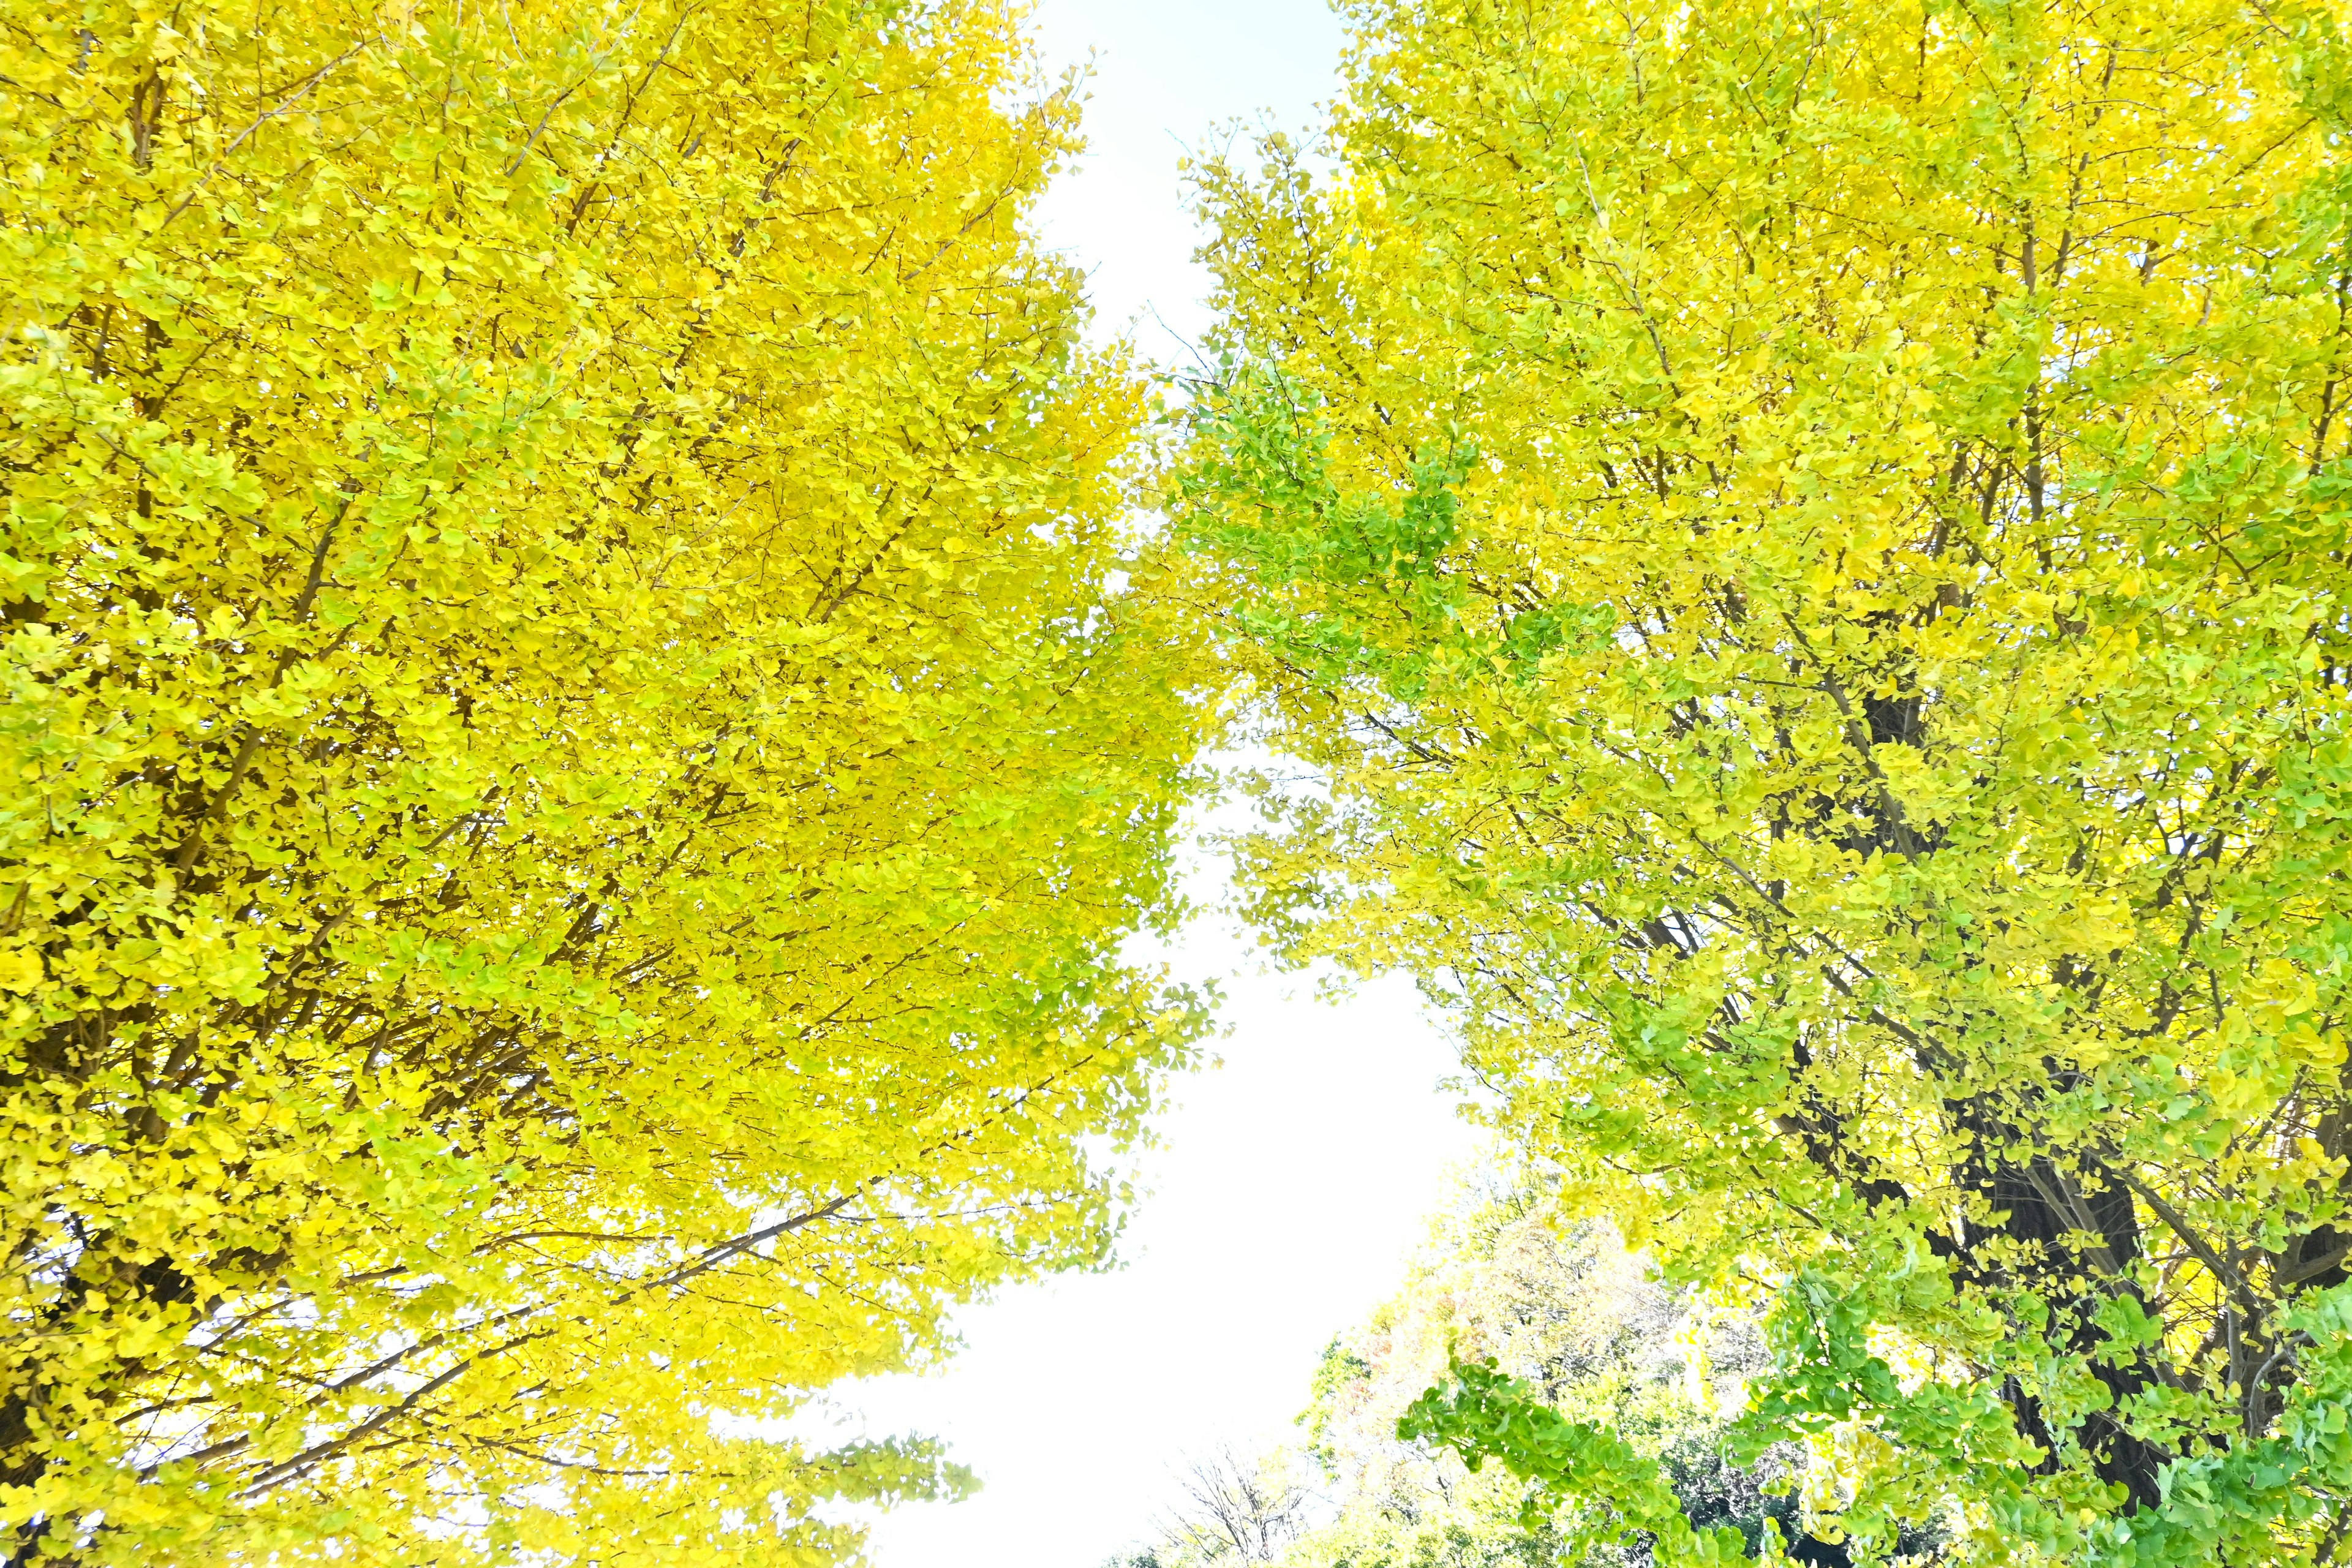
578,763
1804,548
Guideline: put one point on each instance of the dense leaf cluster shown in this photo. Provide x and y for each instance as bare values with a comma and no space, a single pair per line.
1866,759
576,764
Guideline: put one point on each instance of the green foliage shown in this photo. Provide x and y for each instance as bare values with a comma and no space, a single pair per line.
1484,1414
2219,1506
1594,1347
1302,532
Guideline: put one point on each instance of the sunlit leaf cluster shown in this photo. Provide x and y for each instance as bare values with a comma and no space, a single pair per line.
1803,552
578,761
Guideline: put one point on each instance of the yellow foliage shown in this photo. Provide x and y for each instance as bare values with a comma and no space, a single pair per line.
577,764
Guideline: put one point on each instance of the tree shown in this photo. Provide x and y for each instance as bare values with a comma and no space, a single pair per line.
1591,1336
1235,1510
578,765
1805,547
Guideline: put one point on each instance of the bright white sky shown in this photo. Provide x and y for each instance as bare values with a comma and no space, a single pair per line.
1168,76
1292,1181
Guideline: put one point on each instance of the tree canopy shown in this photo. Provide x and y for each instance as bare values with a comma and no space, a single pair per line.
586,733
1591,1333
580,758
1805,550
1561,1317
